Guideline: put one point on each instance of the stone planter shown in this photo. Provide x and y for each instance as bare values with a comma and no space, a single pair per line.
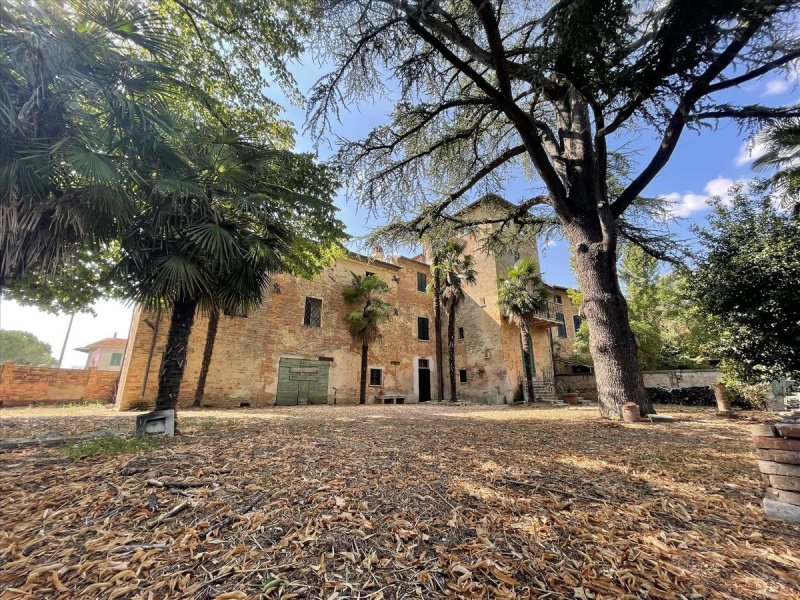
778,449
570,398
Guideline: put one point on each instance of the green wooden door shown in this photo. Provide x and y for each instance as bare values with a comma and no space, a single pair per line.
302,381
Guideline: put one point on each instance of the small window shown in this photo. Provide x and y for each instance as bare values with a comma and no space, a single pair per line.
422,282
423,363
376,377
557,299
462,375
370,273
576,322
422,329
461,333
487,353
312,317
562,326
116,359
483,302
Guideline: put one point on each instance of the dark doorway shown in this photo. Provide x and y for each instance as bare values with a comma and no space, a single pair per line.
424,376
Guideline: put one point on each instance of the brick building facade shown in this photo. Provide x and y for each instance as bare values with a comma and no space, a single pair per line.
296,348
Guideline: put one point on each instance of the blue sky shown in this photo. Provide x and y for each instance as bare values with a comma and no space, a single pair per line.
704,164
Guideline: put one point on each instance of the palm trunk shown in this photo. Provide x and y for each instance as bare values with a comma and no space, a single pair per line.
527,376
437,325
612,343
174,360
362,393
211,336
451,350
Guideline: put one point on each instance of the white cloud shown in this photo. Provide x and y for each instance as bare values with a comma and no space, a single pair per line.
791,78
683,205
750,151
776,86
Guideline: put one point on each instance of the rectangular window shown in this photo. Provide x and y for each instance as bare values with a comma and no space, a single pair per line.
557,299
423,363
576,322
312,317
376,377
422,282
422,329
116,359
462,375
461,333
370,273
562,325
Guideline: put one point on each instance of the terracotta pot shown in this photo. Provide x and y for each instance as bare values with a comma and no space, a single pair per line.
630,412
723,400
570,398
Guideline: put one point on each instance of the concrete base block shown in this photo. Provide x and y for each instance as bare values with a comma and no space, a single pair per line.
158,421
781,511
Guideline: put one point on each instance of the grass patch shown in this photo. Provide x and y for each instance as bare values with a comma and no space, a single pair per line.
110,445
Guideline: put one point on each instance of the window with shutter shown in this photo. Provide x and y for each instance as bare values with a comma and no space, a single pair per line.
422,329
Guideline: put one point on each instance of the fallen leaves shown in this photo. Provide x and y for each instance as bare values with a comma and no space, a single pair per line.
397,502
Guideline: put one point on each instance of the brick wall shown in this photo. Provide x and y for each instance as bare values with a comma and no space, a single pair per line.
21,385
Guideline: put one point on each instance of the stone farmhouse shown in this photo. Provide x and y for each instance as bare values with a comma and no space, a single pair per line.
297,349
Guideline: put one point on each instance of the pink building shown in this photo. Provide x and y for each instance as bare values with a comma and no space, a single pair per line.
105,355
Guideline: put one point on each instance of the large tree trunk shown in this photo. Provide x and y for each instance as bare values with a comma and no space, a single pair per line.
362,393
451,350
612,343
527,376
437,326
174,360
208,351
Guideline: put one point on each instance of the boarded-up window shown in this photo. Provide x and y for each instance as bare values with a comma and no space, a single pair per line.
422,282
562,326
422,328
313,312
376,376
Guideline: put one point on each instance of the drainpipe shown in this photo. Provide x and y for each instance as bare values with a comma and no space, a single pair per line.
150,354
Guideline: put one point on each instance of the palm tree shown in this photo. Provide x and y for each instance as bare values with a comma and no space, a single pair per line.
85,90
455,270
218,222
521,294
782,142
364,321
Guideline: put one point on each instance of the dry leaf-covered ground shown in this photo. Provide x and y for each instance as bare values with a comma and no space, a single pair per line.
394,502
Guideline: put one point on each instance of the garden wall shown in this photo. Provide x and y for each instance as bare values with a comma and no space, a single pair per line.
664,380
21,385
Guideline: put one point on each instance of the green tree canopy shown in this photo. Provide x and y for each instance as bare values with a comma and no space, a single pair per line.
24,348
746,280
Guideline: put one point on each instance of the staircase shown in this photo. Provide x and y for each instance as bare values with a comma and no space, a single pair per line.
544,391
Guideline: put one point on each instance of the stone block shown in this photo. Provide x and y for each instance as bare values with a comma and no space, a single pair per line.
783,496
773,468
155,422
777,443
789,484
781,511
786,457
763,430
662,418
788,430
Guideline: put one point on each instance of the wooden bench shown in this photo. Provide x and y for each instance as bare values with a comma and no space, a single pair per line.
390,399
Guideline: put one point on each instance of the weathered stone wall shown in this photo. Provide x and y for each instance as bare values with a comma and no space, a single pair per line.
245,364
22,384
674,379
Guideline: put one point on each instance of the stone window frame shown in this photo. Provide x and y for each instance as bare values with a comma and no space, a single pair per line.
321,306
111,362
462,376
369,377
